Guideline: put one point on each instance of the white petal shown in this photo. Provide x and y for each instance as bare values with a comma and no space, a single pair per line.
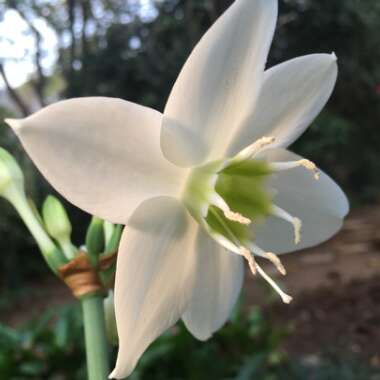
320,204
102,154
218,281
292,95
218,83
154,273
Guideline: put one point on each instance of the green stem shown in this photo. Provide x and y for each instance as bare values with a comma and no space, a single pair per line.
67,247
51,253
95,337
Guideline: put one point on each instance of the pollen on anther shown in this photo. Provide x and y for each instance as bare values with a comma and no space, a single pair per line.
255,148
250,259
309,165
236,217
261,143
296,222
276,262
297,230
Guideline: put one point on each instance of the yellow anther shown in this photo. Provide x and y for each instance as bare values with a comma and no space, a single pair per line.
309,165
216,200
255,148
297,223
236,217
250,259
276,262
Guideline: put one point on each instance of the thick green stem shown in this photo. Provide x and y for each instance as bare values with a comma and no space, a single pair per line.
95,337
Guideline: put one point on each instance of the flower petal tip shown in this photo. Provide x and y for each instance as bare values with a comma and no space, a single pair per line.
114,375
13,123
203,337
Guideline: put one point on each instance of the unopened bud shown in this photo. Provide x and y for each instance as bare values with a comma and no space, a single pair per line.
113,243
12,189
58,225
11,177
95,240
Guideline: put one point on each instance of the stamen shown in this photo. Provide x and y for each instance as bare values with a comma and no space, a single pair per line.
274,259
285,297
232,243
250,258
255,148
309,165
297,223
224,242
276,262
219,202
236,217
256,268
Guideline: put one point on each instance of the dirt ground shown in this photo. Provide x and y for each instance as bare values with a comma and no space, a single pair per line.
336,290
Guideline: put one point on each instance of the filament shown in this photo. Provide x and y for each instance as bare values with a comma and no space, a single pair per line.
255,148
273,258
296,222
309,165
285,297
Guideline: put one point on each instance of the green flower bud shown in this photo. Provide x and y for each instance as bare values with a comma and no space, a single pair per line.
109,313
11,177
58,225
95,240
12,189
113,243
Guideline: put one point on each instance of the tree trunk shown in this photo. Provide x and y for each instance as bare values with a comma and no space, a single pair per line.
13,94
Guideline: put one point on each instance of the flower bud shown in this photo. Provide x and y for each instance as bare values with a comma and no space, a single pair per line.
12,189
114,240
11,177
95,240
58,225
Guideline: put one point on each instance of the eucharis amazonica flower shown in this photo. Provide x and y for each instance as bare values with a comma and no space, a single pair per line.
203,187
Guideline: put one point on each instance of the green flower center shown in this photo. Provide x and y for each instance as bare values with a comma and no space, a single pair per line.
228,197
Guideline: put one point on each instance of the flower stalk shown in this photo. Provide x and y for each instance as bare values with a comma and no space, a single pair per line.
95,336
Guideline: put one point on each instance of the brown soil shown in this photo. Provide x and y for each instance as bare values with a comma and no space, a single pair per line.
336,289
343,319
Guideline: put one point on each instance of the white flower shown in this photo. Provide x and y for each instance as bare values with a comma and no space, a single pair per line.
209,176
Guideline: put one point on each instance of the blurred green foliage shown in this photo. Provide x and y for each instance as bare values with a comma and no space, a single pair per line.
51,347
